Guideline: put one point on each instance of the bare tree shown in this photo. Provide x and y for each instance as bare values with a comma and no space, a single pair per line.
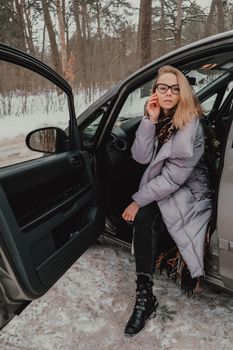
61,21
162,26
178,25
76,13
28,25
21,24
217,6
220,10
210,18
145,20
98,5
80,41
52,36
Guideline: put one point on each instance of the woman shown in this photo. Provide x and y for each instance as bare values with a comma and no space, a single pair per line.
170,139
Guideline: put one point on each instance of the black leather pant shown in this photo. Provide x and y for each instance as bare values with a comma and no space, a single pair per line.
150,238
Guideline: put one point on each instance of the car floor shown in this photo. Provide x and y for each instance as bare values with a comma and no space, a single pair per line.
90,305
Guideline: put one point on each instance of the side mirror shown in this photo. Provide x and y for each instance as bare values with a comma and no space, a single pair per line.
47,140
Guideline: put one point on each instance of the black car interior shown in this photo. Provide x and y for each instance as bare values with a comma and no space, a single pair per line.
51,211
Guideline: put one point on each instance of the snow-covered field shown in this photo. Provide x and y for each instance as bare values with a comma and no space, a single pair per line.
40,111
43,111
89,306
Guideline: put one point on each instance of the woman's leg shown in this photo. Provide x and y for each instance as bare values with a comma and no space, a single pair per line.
145,250
145,239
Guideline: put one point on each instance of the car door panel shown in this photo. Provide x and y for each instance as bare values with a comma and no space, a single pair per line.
45,231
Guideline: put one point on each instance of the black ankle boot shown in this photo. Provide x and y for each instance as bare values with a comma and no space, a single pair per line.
145,306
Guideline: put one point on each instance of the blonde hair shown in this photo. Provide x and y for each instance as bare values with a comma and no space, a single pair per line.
188,106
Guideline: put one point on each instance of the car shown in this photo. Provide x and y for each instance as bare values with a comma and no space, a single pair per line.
72,187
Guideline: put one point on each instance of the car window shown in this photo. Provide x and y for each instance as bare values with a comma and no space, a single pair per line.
228,90
135,102
209,103
199,78
202,77
221,94
27,101
89,127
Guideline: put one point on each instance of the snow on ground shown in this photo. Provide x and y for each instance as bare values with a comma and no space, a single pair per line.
87,309
39,111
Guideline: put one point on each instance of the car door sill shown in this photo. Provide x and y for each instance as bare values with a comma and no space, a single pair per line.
107,237
216,282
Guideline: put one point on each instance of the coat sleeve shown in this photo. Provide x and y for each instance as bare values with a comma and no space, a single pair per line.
173,175
144,143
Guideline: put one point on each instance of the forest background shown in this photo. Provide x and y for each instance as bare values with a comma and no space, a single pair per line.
96,43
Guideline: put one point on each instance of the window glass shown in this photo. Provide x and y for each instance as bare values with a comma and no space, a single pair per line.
203,77
91,124
228,90
135,102
209,103
91,128
27,101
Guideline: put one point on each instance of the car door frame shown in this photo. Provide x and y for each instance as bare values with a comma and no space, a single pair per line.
15,285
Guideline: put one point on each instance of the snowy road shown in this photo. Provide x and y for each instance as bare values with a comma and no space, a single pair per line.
89,306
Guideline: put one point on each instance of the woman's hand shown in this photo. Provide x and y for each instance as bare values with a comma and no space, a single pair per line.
153,108
130,212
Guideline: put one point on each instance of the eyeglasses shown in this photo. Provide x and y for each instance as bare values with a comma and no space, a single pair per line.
163,88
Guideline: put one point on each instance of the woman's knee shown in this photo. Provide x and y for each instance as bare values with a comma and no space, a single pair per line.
145,216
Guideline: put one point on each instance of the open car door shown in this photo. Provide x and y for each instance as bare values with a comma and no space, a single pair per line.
49,210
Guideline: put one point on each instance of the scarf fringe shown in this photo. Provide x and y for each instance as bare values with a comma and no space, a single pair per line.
177,271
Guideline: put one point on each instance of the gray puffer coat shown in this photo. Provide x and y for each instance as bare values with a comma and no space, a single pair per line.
176,178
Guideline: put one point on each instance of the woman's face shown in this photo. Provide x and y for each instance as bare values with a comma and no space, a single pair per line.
170,98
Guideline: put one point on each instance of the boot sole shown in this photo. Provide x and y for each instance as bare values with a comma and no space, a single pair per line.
151,315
